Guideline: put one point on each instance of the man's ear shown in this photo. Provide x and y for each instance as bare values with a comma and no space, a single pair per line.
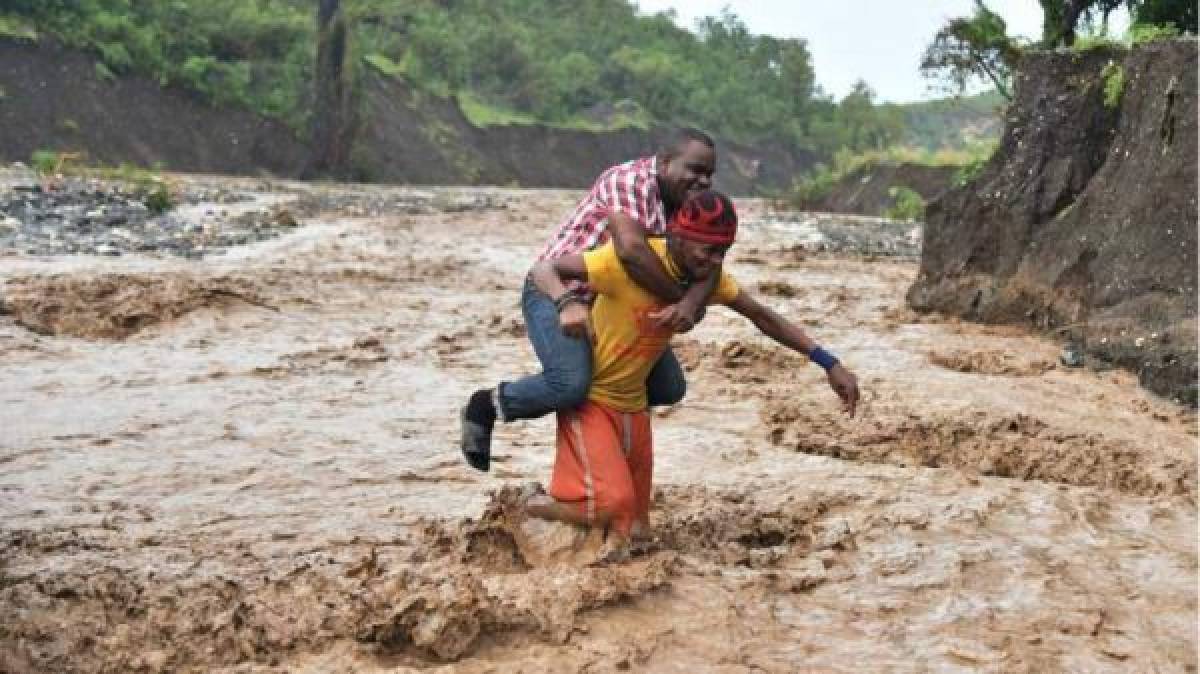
664,159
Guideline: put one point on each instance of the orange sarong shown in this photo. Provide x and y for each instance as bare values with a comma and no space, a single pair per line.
604,463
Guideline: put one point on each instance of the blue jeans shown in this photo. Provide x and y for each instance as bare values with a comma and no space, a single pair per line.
567,367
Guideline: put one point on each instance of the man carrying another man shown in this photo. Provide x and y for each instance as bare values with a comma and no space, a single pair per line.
628,202
604,463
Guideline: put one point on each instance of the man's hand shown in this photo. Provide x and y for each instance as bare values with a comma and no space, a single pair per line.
845,385
678,317
575,321
689,310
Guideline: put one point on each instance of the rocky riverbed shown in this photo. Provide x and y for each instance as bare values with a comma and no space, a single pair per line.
72,215
246,461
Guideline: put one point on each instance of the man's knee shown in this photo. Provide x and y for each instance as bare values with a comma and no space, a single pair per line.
674,391
668,390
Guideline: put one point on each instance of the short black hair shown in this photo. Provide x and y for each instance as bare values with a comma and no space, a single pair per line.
682,136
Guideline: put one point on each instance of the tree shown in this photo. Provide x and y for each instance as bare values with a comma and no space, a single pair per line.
969,48
1179,13
1060,18
330,127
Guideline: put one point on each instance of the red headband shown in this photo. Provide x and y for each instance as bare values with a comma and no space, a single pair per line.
707,217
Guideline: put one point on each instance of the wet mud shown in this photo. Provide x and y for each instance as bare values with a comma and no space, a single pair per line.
991,362
116,305
249,463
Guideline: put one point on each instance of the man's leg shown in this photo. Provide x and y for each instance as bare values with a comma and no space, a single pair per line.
566,364
592,484
639,452
666,385
562,384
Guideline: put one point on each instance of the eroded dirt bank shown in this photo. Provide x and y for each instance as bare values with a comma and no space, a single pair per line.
56,100
255,470
1084,221
867,190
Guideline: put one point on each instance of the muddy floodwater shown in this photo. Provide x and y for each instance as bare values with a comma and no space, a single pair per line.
248,462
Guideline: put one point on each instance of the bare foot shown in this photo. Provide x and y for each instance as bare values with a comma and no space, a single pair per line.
641,533
615,551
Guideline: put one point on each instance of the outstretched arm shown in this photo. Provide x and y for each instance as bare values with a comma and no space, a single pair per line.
550,277
771,324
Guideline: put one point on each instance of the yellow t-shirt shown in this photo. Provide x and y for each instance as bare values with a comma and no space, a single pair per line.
627,345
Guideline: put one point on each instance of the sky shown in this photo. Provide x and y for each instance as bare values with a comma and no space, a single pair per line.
880,41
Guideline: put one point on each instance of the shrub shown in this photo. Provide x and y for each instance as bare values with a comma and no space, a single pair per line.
157,197
12,27
1141,33
976,157
384,65
115,56
1113,77
907,204
814,186
44,161
103,72
1089,42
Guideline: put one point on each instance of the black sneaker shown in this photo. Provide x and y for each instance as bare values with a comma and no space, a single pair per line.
478,418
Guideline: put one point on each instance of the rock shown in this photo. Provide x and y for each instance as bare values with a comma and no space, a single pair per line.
1072,355
284,218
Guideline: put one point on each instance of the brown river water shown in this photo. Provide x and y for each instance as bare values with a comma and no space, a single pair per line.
249,463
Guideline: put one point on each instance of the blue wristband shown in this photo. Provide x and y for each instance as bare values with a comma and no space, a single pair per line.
823,358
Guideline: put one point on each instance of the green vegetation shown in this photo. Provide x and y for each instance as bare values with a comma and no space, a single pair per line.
544,62
157,198
956,124
978,48
257,54
1179,15
907,204
103,72
814,185
1113,77
973,166
626,114
1141,33
508,61
384,65
823,178
44,162
148,185
16,29
482,114
969,48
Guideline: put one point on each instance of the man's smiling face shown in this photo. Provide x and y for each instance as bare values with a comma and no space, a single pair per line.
688,170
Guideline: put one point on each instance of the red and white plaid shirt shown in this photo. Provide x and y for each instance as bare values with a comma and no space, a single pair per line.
630,188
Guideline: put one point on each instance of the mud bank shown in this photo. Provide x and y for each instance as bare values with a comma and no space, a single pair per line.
865,190
275,485
1084,221
54,100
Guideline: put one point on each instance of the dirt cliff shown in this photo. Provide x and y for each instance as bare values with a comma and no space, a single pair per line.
1084,221
52,98
414,138
865,190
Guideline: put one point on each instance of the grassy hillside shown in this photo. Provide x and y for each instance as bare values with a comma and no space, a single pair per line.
953,123
504,61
